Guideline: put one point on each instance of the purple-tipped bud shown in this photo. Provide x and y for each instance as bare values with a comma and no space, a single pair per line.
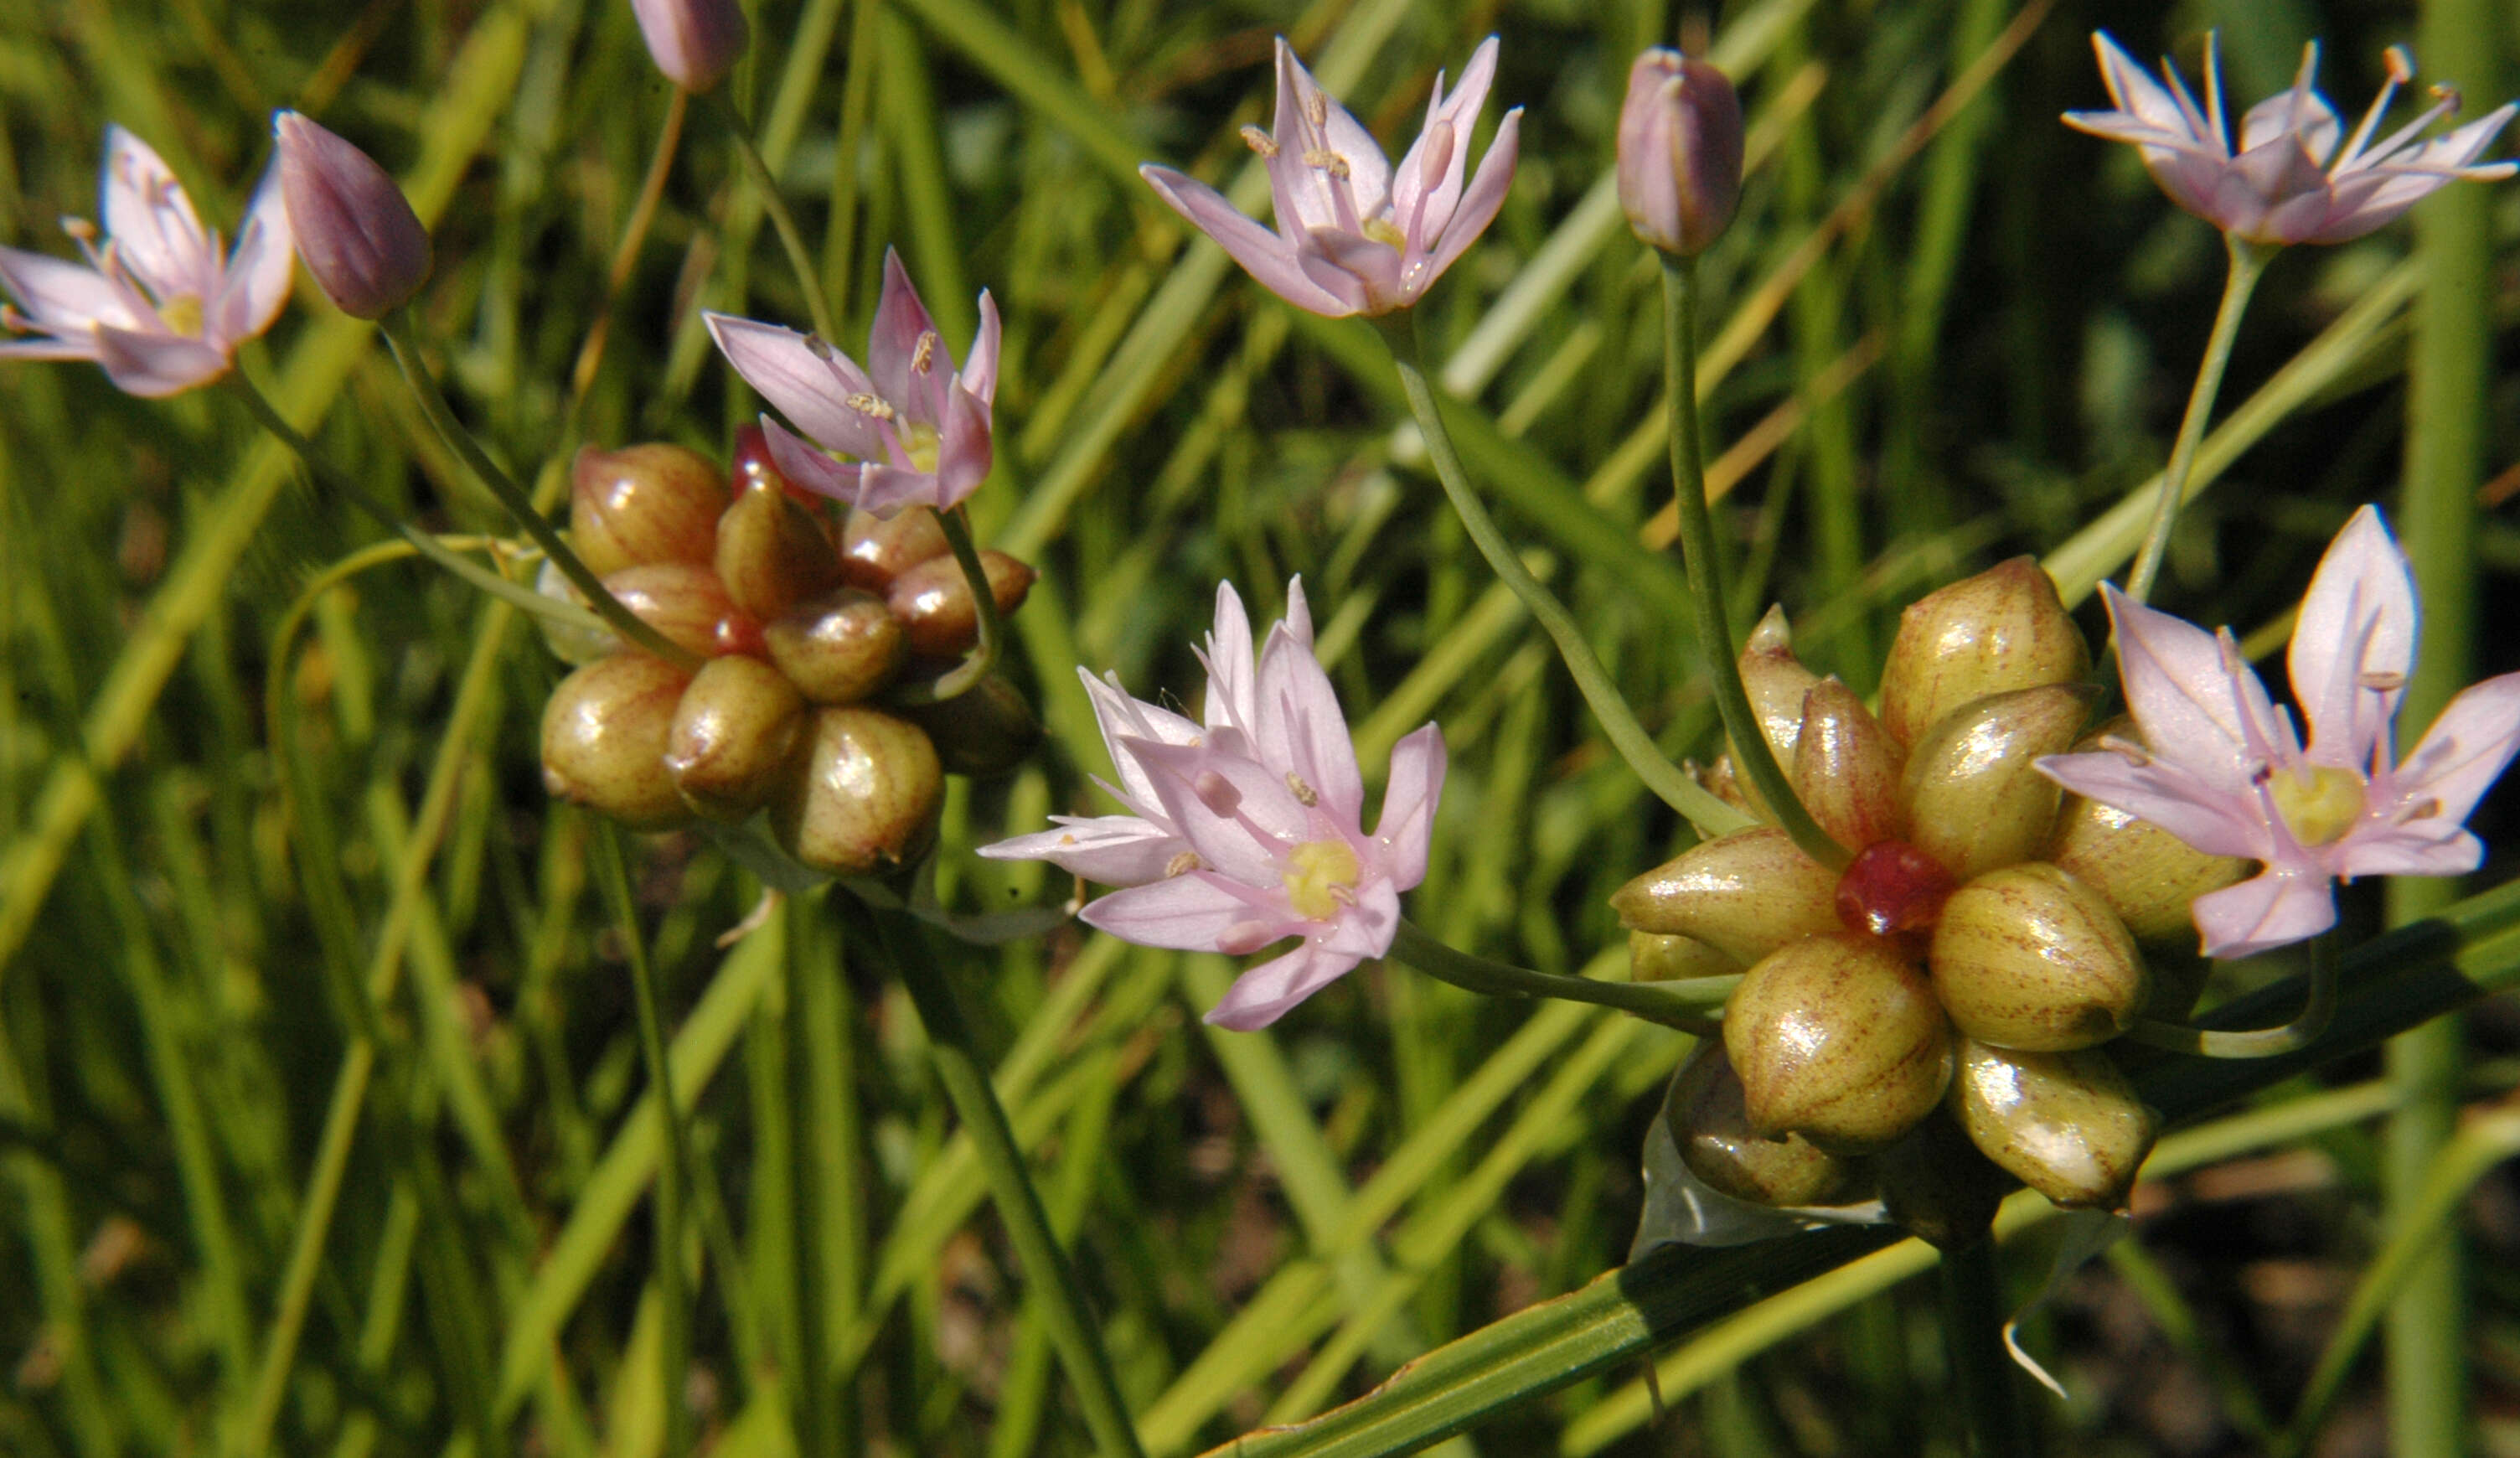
1679,152
693,41
356,232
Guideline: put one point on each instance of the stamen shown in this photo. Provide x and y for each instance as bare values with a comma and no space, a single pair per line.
2214,89
866,404
1181,864
2401,62
2446,94
80,228
1259,140
1328,162
2427,808
1302,792
1318,108
819,347
2126,749
2382,682
922,355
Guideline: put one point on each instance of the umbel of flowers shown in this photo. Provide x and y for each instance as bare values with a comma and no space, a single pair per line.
1944,1001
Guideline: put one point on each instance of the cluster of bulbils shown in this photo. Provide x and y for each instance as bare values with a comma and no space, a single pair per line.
814,641
1936,1012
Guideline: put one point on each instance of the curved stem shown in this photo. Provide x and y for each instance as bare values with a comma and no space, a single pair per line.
672,1294
2316,1010
1051,1278
1684,1004
1751,752
400,335
1973,1341
514,594
782,221
985,606
2248,261
1699,806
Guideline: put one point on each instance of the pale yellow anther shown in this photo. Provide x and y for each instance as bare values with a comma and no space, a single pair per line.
1328,162
2401,62
2382,682
1384,231
1181,864
2319,802
1320,877
1302,792
1259,140
872,405
1318,108
922,355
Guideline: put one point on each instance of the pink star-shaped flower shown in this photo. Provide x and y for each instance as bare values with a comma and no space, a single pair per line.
1355,235
2289,182
1247,827
2223,769
159,306
919,428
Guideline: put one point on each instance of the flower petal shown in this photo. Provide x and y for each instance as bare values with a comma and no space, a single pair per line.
804,466
1478,205
1187,913
900,321
1408,797
888,490
1228,658
2206,816
809,385
1121,851
2356,633
60,294
1267,992
964,449
2464,752
146,212
1301,729
1263,254
980,373
2272,910
2182,691
154,365
259,269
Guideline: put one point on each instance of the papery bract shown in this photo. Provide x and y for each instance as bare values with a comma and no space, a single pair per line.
1245,827
916,427
159,306
2227,772
1355,235
2290,181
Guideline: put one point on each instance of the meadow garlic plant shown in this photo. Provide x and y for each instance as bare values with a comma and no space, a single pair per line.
368,965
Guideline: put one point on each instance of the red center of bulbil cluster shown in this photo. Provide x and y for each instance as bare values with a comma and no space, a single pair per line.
1892,889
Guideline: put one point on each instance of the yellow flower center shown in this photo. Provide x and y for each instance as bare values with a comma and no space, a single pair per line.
1384,231
2318,803
1321,877
922,444
183,314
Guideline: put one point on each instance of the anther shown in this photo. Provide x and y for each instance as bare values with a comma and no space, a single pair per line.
2448,95
1328,162
1302,792
1318,108
872,405
2401,62
819,347
1259,140
922,355
80,229
2427,808
1181,864
2381,681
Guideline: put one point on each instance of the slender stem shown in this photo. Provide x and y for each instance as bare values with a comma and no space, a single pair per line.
642,214
1974,1339
2317,1009
1751,752
401,335
1699,806
671,1289
782,221
984,605
2248,261
1684,1004
514,594
1053,1281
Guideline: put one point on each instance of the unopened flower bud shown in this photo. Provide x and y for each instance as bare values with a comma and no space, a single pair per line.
838,648
2027,957
772,554
354,228
933,601
695,42
1745,895
643,504
2066,1125
1662,957
1679,152
687,604
865,798
983,732
604,731
1711,1127
1845,768
1974,795
2147,874
1937,1187
734,736
1838,1038
875,550
2002,630
1778,683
